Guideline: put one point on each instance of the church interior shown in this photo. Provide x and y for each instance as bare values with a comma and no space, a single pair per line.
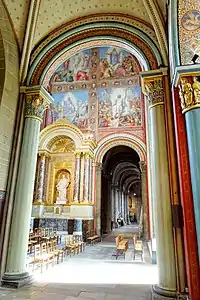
99,149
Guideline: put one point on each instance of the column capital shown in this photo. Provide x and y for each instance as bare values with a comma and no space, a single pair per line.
98,166
154,91
77,154
143,166
43,153
189,92
37,101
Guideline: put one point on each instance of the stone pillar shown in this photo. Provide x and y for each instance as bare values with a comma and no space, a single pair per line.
166,288
86,186
143,168
122,204
78,227
77,177
189,92
98,198
113,202
16,273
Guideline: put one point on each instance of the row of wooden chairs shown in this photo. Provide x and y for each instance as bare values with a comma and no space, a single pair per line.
45,254
48,252
92,237
121,245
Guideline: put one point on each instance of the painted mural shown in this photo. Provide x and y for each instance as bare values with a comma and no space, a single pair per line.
119,107
72,106
189,30
109,62
96,89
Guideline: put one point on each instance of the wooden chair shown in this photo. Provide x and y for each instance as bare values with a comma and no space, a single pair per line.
138,249
39,258
121,246
58,252
69,246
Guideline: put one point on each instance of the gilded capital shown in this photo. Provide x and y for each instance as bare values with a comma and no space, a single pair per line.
153,89
189,93
37,101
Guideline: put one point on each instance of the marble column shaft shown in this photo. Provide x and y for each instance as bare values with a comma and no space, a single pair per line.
161,191
16,273
41,179
77,177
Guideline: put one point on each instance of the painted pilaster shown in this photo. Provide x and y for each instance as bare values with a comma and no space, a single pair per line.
143,168
77,177
16,273
189,93
166,287
91,183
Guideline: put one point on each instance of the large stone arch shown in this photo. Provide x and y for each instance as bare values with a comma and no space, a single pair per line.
113,140
80,34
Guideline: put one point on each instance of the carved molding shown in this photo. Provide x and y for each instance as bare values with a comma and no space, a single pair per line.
189,93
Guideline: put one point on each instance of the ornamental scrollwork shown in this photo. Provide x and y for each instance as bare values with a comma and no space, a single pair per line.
35,106
189,93
154,91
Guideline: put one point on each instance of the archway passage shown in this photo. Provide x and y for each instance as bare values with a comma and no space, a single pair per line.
120,184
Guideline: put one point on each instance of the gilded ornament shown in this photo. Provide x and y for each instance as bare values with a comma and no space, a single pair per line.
189,93
196,88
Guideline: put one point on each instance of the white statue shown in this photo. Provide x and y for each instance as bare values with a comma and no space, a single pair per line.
62,186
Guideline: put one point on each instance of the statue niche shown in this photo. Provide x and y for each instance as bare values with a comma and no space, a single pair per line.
62,186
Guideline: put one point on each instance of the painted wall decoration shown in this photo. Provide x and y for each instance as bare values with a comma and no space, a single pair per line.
189,30
72,106
119,106
96,89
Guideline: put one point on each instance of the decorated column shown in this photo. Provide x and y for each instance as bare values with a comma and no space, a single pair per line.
166,287
86,186
189,93
77,177
143,168
16,274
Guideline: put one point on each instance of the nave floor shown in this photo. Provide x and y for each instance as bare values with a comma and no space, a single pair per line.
94,274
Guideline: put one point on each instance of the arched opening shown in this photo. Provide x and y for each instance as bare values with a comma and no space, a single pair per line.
121,181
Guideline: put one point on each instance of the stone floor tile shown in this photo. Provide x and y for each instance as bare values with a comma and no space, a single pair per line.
91,295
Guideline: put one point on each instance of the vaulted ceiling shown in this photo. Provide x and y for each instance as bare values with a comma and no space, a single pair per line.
55,13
